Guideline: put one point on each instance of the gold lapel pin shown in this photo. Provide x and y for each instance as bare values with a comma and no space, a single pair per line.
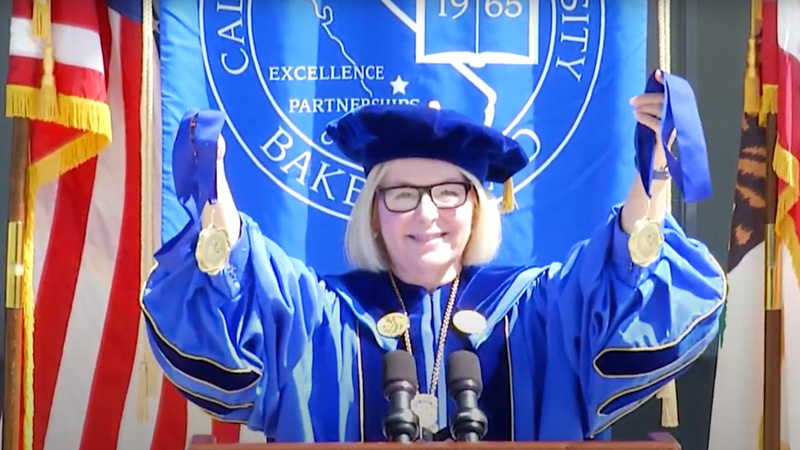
393,324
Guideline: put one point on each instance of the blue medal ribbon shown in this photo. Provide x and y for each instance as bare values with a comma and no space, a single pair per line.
194,164
679,113
194,159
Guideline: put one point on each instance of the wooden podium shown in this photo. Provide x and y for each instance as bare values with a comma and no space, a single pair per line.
658,441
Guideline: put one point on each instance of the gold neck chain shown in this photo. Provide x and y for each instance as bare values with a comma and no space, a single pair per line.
442,333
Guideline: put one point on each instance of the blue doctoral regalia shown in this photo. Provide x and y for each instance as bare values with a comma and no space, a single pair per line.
569,348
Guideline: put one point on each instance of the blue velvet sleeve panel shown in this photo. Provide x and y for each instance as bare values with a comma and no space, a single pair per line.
232,342
626,330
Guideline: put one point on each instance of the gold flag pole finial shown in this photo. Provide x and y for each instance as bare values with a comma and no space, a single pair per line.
752,86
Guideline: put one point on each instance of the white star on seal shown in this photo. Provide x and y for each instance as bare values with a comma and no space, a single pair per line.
399,86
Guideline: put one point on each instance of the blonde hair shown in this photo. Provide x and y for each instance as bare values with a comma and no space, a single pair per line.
366,251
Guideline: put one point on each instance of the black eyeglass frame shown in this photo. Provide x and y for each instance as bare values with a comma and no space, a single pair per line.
424,190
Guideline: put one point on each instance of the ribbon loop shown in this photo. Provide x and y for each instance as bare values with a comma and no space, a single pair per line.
679,114
194,158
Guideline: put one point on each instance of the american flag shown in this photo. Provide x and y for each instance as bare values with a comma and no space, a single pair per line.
94,178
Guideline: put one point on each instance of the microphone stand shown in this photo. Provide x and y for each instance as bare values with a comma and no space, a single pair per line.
469,424
464,381
401,424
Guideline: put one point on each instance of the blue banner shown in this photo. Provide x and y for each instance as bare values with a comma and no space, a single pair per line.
556,75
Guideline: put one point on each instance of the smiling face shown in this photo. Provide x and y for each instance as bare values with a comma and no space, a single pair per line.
426,239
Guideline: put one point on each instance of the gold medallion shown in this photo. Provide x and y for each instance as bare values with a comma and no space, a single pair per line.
213,250
645,241
469,322
393,324
426,407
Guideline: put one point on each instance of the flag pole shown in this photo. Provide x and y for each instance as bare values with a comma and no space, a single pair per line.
773,308
12,393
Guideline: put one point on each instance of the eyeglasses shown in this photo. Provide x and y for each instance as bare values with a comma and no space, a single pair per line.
402,199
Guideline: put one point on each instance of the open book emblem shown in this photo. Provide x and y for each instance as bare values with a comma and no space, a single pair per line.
477,32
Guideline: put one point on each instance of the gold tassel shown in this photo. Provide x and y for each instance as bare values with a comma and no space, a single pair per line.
752,84
143,385
669,405
153,373
48,97
41,19
142,394
508,203
149,378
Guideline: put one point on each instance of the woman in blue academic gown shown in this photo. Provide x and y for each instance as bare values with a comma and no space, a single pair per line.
565,350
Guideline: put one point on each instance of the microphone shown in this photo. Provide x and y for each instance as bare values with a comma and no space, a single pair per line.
400,424
465,384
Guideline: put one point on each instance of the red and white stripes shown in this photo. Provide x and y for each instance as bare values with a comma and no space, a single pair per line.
89,239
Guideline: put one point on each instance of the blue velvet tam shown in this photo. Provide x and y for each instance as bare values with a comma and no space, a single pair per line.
375,134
